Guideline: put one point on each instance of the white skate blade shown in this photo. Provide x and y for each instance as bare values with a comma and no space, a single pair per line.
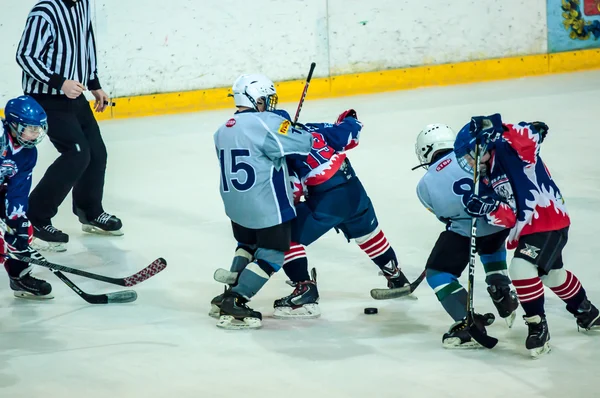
43,246
30,296
224,276
99,231
230,323
538,352
453,343
510,320
307,311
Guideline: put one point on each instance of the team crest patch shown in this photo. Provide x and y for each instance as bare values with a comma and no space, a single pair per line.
284,127
230,122
530,251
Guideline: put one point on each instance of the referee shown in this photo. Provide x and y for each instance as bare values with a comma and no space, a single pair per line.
57,53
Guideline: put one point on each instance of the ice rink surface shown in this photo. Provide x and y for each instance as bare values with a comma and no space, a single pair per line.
162,180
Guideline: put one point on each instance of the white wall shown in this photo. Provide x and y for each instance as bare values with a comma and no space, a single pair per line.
149,46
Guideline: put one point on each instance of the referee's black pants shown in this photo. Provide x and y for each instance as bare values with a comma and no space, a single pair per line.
73,130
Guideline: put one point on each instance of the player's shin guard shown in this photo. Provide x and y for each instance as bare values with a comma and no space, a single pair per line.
379,250
496,276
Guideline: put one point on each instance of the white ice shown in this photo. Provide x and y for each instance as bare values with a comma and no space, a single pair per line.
162,180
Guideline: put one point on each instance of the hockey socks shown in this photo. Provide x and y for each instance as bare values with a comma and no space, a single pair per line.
295,263
496,269
257,273
379,250
451,294
567,287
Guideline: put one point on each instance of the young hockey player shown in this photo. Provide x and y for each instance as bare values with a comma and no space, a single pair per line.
335,199
443,190
23,128
527,200
256,191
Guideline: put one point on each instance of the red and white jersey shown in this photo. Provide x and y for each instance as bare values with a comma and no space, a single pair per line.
532,200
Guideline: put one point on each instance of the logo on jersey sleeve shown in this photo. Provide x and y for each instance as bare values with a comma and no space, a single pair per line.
8,169
443,164
504,190
284,127
230,122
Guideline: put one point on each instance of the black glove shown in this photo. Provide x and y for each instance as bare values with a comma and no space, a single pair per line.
541,128
479,206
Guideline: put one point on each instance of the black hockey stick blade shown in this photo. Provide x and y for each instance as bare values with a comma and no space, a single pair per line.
125,296
387,294
154,268
486,341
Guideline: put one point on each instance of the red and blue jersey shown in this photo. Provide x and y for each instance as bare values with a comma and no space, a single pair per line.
531,200
16,169
330,142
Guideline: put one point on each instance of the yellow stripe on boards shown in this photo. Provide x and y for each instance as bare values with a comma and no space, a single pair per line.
362,83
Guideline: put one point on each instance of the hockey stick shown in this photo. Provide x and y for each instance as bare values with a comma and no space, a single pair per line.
126,296
310,73
154,268
478,335
386,294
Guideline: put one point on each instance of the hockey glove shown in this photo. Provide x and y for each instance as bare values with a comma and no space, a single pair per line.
486,128
480,206
345,114
541,128
17,237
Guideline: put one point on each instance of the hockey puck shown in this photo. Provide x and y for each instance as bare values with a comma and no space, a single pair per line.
370,311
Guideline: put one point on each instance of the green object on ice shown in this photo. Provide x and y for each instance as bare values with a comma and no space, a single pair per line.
363,23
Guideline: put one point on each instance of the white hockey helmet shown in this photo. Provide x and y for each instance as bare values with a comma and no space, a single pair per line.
248,89
433,138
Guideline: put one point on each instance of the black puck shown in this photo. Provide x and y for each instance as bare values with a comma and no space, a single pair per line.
370,311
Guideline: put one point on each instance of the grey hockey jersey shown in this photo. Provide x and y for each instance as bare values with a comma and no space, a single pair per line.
444,190
255,183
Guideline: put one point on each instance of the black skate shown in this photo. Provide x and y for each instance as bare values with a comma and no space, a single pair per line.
538,340
28,287
104,224
235,314
302,303
215,305
588,316
394,275
459,337
506,302
48,238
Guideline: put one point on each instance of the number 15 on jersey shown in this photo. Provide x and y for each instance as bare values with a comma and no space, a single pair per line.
235,172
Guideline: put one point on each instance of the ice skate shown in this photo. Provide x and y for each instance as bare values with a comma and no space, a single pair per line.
104,224
28,287
538,340
49,239
235,314
302,303
506,302
458,337
215,305
588,316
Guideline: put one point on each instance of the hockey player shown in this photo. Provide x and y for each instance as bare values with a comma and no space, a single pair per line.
443,190
526,199
335,199
256,191
23,128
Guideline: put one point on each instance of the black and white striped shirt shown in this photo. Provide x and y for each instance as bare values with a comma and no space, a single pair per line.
58,44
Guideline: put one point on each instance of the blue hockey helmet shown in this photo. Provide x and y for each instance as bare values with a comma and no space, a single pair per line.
27,120
464,143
